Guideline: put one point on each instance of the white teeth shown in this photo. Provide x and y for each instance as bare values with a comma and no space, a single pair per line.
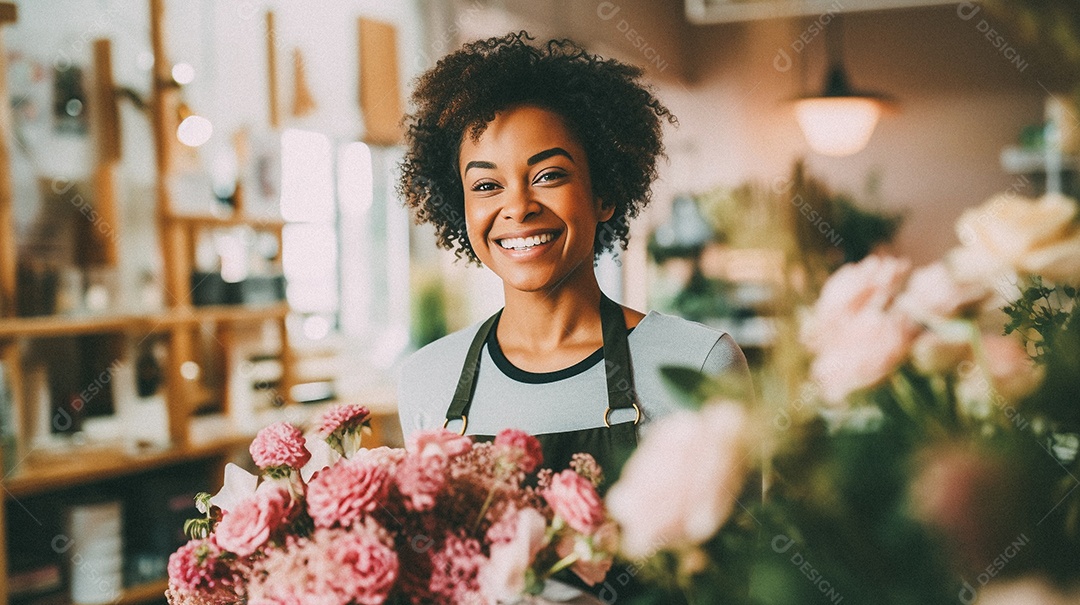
524,243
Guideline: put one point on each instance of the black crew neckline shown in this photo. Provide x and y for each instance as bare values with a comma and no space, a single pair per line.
513,372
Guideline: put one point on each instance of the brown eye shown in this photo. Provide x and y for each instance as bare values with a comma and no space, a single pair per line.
485,186
550,175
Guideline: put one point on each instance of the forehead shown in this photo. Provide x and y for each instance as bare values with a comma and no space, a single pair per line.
520,132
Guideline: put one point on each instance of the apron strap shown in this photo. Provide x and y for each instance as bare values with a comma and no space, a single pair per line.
459,407
617,368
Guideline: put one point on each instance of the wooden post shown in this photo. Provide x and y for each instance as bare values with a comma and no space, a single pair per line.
106,126
380,93
9,350
174,240
7,225
271,70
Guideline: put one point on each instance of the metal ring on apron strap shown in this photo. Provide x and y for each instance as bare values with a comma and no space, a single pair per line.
607,414
465,423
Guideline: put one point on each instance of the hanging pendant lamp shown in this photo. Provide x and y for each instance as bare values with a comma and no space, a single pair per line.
840,120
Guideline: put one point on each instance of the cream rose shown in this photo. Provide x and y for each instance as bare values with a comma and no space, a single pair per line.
934,293
682,482
1010,233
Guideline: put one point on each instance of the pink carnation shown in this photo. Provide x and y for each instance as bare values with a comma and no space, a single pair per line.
438,442
347,417
332,567
455,570
419,479
342,494
279,445
574,498
196,570
246,528
530,454
365,568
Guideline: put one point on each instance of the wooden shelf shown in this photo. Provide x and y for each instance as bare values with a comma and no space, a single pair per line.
143,593
76,469
210,220
61,325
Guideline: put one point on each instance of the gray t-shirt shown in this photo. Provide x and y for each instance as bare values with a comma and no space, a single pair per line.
569,399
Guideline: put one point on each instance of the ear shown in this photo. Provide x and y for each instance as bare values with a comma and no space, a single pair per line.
606,210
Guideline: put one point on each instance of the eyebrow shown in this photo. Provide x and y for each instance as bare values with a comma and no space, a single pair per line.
539,157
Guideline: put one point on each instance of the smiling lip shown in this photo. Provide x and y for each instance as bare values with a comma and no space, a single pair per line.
530,251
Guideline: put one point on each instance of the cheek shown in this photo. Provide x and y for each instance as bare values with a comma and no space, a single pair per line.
477,221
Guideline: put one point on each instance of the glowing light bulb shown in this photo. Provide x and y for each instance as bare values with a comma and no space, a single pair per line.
183,73
837,126
194,131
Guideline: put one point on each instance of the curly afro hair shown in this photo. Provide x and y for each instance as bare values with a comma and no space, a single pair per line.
616,119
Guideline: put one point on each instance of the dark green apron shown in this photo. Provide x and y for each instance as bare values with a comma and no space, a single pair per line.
610,444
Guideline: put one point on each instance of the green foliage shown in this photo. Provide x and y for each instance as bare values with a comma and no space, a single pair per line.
429,313
692,388
704,298
861,230
1058,398
1040,315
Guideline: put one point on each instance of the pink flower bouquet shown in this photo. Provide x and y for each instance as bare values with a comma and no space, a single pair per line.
445,520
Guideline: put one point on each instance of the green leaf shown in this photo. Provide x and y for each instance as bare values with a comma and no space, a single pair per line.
690,387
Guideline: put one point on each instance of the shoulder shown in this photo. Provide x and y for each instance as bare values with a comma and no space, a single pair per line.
446,350
428,377
691,344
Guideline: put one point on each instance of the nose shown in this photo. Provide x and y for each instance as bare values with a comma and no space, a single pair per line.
519,204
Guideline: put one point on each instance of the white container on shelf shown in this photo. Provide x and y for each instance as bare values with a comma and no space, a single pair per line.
96,552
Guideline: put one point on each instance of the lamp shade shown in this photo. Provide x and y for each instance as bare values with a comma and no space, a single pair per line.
838,125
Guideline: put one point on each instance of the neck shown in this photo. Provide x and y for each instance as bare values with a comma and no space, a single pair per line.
546,319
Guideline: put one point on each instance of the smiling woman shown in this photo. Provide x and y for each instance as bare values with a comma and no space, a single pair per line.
531,161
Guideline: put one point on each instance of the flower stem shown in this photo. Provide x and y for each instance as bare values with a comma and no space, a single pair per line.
484,508
563,563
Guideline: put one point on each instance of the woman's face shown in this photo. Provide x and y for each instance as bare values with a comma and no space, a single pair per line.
529,208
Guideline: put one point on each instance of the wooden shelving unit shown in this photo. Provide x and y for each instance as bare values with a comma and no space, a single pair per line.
54,326
41,477
179,324
144,593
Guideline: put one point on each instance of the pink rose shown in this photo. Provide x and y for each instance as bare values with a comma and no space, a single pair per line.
574,499
595,553
342,494
1012,370
681,483
870,284
527,448
934,293
502,578
977,499
247,527
866,348
279,445
439,442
